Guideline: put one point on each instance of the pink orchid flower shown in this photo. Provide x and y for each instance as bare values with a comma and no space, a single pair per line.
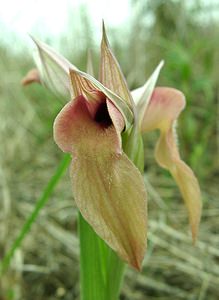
108,188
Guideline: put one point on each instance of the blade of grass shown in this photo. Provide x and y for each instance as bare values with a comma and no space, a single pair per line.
38,207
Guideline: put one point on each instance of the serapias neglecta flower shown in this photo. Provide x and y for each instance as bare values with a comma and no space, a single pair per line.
108,188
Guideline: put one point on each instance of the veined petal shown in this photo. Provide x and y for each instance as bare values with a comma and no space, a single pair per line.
82,86
111,74
109,190
90,65
85,82
53,69
162,111
143,94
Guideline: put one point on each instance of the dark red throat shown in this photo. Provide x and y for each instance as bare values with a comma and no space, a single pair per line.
102,115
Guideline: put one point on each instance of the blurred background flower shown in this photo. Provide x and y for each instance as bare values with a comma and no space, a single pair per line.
184,34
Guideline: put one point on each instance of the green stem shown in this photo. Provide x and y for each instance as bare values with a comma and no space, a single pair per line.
32,218
101,270
93,257
116,270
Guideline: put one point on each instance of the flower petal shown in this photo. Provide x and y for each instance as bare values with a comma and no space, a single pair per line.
90,64
109,190
143,94
84,82
83,86
53,69
111,74
162,111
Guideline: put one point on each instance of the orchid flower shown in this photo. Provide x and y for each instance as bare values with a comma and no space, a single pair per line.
108,188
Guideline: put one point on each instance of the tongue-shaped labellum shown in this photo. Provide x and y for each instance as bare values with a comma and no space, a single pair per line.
108,189
163,109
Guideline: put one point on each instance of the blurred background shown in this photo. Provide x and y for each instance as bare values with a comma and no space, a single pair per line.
183,33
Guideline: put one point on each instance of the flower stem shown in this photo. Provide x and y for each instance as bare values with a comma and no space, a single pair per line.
116,270
93,255
101,270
